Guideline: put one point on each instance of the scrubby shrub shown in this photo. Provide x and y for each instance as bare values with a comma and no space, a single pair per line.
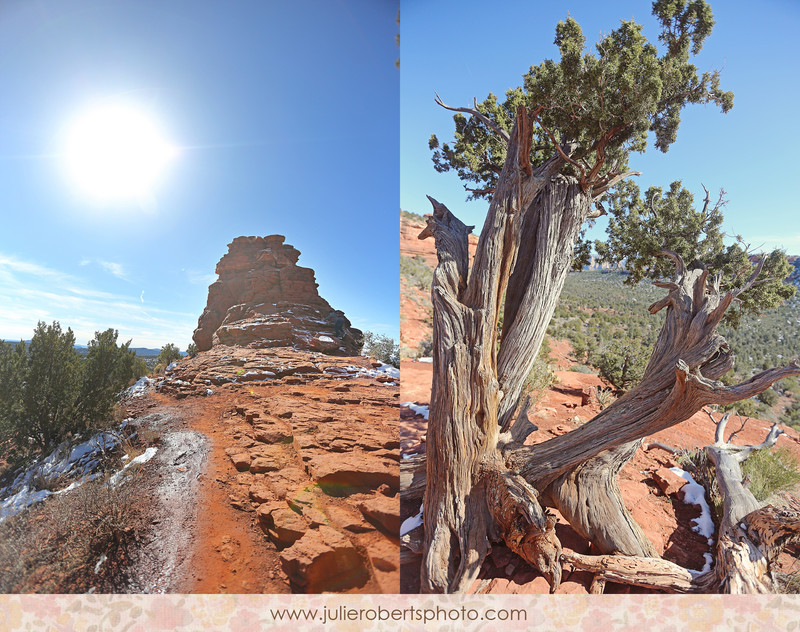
622,361
169,354
605,397
425,348
57,546
416,272
541,375
769,397
770,471
49,392
381,348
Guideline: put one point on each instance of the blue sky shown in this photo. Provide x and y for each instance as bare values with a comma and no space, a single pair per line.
465,49
285,116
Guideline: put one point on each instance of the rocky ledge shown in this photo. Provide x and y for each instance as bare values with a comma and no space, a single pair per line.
262,298
312,450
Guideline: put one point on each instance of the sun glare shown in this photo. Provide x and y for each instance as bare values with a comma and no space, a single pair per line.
116,153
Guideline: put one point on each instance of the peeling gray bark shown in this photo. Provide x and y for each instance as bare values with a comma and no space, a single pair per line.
479,488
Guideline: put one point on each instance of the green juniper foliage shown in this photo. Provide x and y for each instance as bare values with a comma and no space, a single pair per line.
639,228
48,391
606,103
381,348
169,353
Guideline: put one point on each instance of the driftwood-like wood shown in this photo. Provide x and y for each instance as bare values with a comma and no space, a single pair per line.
635,571
527,529
463,430
750,537
481,482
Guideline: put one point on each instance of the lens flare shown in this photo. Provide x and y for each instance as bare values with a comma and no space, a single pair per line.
116,152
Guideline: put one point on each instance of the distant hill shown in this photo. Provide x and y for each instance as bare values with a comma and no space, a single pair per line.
142,352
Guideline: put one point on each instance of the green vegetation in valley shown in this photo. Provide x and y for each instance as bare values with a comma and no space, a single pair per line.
412,216
416,272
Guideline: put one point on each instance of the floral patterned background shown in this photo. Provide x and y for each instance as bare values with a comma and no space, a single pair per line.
240,613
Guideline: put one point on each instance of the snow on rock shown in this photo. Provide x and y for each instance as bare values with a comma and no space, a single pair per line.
409,524
419,410
326,339
77,462
695,494
382,369
429,360
142,458
139,389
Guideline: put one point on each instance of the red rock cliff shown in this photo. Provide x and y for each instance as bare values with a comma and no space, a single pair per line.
264,299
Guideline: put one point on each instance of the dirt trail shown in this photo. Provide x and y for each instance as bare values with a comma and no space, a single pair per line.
271,486
229,552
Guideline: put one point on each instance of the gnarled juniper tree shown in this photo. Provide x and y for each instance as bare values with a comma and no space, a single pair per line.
544,157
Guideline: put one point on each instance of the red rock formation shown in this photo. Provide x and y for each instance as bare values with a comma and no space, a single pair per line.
264,299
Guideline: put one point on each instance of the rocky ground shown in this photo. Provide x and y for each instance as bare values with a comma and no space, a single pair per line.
277,472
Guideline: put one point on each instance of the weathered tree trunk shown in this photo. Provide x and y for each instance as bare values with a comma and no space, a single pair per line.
575,472
463,429
589,498
482,484
750,536
547,236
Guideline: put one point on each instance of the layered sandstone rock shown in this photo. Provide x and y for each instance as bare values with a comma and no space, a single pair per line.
308,444
264,299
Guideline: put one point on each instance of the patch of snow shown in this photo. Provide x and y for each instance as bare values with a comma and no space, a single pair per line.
383,369
142,458
419,410
97,566
326,339
139,389
171,367
77,462
695,494
409,524
209,391
425,360
263,374
709,561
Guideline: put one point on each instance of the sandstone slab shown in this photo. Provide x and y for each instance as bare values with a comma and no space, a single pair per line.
324,560
383,511
343,474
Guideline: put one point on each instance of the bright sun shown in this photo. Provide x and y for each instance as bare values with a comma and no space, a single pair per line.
116,153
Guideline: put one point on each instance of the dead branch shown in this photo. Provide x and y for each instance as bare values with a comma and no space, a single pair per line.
478,115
